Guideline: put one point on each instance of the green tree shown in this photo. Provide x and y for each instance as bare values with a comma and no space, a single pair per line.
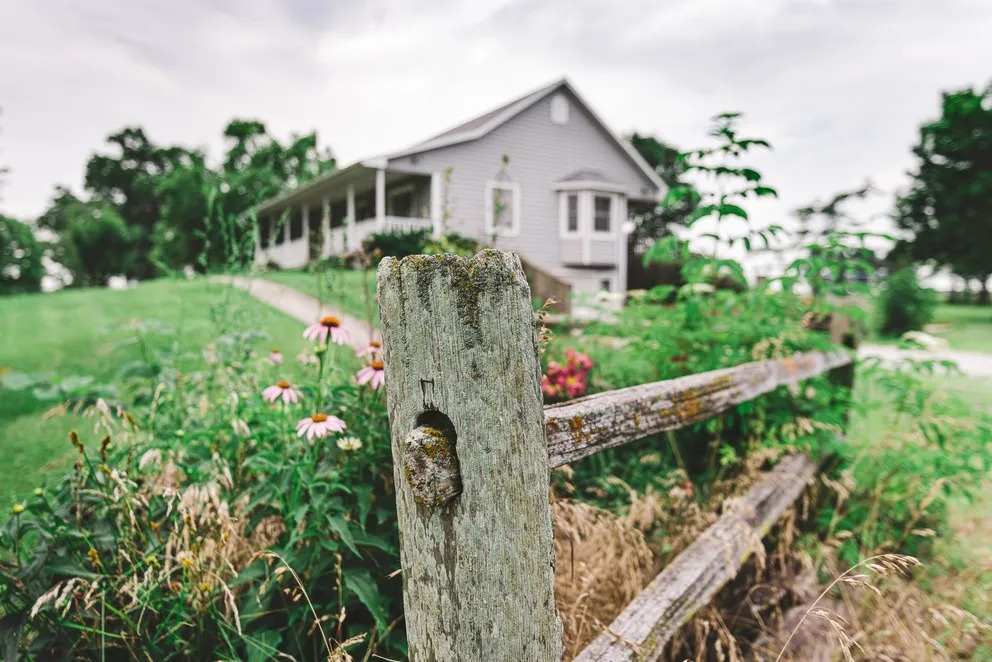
947,207
93,241
669,165
129,179
21,268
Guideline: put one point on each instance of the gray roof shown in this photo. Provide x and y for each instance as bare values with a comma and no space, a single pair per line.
586,175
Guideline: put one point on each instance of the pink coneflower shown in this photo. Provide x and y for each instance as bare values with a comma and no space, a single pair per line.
319,425
276,357
327,326
282,390
374,375
375,347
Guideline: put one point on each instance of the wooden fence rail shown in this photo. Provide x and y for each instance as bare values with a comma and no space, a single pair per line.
472,446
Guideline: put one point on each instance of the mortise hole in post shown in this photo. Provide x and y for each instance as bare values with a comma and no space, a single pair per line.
439,421
430,460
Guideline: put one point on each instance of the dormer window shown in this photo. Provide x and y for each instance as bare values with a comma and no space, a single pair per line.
559,109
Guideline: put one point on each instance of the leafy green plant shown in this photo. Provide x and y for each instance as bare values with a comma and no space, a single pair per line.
217,515
396,244
904,305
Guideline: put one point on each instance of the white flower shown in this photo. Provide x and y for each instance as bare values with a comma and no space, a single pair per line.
349,443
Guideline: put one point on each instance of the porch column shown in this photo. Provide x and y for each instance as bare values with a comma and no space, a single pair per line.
437,182
352,238
287,216
325,226
380,199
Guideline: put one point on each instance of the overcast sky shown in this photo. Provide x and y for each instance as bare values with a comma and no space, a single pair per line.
838,86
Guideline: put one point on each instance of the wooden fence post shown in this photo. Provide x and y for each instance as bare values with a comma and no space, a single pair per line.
470,459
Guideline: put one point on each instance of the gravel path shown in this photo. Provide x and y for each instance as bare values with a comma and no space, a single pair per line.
975,364
301,306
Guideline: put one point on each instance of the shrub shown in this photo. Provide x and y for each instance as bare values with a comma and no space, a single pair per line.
453,243
396,244
904,305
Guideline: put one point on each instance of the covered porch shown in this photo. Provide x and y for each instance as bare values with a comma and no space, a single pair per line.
334,213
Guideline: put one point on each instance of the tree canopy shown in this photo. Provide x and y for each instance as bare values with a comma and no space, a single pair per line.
162,207
667,162
21,268
947,208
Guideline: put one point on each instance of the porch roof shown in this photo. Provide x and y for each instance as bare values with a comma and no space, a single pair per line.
335,180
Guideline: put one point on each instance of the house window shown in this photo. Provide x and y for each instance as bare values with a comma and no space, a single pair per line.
559,109
572,213
401,201
502,208
602,211
604,285
296,224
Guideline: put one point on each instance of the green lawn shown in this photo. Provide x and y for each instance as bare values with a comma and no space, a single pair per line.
352,291
966,327
960,572
970,327
87,333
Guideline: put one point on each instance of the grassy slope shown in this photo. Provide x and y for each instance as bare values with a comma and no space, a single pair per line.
345,289
80,332
961,571
970,326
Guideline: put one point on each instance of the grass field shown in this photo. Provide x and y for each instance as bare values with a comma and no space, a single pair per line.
87,332
345,289
969,327
964,327
960,572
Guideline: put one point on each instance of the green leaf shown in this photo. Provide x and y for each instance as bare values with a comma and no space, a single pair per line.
360,582
728,209
750,174
340,527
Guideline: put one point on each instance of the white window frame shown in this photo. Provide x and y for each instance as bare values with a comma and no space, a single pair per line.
587,214
592,214
514,189
564,232
559,109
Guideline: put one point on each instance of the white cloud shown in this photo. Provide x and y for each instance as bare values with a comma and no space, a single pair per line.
838,86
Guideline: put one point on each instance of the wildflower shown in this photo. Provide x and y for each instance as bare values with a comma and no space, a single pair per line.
38,491
17,508
327,327
306,358
282,390
374,375
276,357
349,443
374,347
319,425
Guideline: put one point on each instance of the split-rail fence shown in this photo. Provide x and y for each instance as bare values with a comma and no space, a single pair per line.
473,445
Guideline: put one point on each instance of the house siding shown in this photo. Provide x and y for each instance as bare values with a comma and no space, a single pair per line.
539,154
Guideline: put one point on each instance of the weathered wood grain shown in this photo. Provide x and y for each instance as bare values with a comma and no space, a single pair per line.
478,572
585,426
689,582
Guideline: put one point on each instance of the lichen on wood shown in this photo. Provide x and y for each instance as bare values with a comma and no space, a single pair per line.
478,572
585,426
